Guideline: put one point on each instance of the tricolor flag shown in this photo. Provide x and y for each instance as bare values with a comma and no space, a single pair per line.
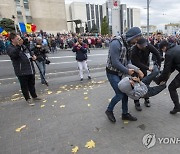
27,28
3,32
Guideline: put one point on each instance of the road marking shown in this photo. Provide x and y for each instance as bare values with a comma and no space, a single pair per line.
66,62
75,56
98,68
62,57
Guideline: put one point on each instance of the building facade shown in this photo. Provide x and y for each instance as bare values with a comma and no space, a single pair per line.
122,18
48,15
152,29
89,14
172,29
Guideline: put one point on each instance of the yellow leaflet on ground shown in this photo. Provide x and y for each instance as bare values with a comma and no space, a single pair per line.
42,106
85,93
85,98
91,144
15,95
62,106
15,99
89,105
58,92
126,121
75,149
49,92
44,101
20,128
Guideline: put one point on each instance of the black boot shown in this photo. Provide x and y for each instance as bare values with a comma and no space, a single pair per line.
147,102
175,110
110,116
137,105
129,117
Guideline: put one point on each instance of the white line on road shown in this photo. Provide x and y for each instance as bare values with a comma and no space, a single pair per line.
66,62
99,68
62,57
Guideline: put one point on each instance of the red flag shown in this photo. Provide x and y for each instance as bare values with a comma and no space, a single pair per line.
33,28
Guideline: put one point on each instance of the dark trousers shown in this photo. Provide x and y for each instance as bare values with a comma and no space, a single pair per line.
27,83
172,90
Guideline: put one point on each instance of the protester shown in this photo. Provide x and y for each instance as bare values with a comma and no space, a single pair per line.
172,63
117,66
135,88
140,58
23,66
80,49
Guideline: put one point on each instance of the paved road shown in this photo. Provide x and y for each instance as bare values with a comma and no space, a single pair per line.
62,70
74,114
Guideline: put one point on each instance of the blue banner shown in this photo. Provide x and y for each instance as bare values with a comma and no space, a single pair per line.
22,27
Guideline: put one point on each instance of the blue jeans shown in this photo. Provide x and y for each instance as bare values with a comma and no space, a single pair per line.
114,80
152,91
42,67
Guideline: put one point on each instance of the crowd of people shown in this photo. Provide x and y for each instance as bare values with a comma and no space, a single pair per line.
62,41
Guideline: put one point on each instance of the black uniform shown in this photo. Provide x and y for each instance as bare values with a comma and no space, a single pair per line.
140,58
24,69
172,63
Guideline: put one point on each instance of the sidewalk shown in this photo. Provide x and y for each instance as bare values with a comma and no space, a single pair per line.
74,115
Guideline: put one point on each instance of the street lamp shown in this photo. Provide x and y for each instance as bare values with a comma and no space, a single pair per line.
13,17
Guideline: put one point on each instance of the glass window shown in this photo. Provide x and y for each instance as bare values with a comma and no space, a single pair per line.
92,11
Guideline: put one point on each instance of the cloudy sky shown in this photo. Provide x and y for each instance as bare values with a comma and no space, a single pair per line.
161,11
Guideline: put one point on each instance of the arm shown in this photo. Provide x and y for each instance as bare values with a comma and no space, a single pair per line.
167,68
13,52
115,49
156,53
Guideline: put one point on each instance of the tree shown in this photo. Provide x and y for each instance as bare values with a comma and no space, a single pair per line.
7,24
94,29
104,26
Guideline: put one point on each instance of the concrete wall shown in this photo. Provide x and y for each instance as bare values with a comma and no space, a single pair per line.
49,15
136,17
7,9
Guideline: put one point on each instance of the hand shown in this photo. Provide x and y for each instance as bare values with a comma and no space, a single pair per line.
136,79
130,71
150,69
141,74
34,57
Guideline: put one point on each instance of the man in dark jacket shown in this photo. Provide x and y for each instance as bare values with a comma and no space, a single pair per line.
80,49
118,63
172,63
23,67
140,58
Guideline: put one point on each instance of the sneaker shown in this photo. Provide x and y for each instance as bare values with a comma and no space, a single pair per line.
129,117
89,77
147,103
137,106
110,116
30,103
37,99
175,110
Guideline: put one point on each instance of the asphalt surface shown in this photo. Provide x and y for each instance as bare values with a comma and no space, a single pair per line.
71,114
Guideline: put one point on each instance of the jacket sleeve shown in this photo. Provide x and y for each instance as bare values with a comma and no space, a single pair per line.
115,49
136,60
13,52
167,68
156,53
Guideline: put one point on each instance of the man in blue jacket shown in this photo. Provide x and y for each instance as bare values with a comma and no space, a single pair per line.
117,66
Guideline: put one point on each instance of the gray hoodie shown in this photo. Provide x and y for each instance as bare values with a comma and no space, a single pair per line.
136,92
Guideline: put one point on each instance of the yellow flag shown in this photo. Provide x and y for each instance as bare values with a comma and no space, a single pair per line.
4,32
28,28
